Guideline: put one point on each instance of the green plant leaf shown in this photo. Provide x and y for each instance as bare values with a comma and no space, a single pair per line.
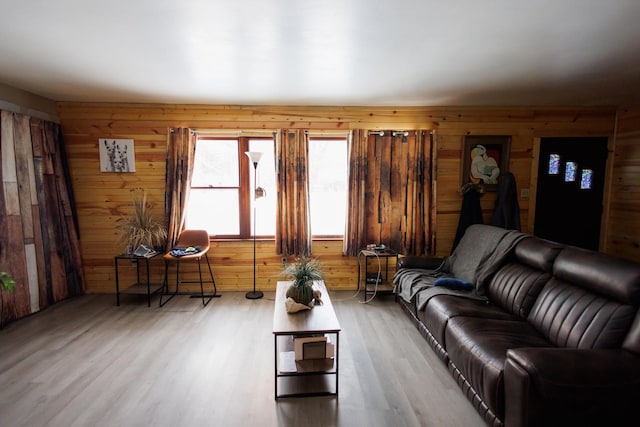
304,271
6,281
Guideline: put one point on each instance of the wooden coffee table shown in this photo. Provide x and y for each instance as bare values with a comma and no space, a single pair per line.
305,377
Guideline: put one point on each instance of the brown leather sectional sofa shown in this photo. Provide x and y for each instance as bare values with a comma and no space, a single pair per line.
557,342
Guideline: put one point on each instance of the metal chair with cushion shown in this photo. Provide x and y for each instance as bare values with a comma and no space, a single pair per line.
192,246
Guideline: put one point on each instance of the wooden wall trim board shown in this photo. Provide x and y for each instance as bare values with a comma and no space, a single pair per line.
23,102
608,183
102,197
623,227
533,189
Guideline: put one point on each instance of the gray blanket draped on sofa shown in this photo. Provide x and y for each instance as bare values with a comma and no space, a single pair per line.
471,261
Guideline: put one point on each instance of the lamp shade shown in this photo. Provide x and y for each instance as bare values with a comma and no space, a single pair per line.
254,156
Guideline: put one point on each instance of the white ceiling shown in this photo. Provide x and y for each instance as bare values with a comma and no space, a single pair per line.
324,52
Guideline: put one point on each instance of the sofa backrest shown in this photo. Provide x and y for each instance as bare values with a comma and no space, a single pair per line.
612,277
538,253
517,284
591,301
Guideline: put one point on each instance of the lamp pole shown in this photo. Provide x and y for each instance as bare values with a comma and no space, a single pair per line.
255,158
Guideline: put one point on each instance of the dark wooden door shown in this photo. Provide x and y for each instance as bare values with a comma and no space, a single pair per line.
570,190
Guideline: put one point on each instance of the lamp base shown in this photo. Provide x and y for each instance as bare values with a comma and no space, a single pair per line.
254,295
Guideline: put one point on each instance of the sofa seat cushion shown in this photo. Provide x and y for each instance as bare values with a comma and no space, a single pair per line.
478,348
441,308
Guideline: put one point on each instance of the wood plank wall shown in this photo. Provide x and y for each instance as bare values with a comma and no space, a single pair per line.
102,197
37,228
623,233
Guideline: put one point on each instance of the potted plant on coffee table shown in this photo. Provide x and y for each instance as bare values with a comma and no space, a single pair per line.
303,273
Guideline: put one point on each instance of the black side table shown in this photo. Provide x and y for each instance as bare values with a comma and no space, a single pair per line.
383,285
140,287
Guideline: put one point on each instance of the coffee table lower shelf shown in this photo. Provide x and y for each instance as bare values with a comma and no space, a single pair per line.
303,378
306,386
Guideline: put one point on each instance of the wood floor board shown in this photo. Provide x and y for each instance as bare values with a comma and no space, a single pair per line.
87,362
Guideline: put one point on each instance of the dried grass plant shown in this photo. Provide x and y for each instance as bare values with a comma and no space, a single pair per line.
141,227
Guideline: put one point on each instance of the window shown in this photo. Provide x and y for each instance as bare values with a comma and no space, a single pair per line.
222,185
328,185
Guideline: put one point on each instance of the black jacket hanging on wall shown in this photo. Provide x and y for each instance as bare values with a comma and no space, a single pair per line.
471,211
507,210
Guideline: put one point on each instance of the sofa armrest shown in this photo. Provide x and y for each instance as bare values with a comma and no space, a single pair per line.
425,262
552,386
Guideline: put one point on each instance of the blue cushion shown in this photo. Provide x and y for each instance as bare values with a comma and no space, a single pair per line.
451,283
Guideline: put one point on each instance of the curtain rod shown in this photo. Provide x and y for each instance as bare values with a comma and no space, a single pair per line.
343,133
234,132
393,132
262,132
400,133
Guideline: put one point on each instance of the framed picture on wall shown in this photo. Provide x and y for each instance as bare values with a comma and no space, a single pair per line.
116,155
484,159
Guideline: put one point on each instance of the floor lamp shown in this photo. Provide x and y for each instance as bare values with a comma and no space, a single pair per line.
254,156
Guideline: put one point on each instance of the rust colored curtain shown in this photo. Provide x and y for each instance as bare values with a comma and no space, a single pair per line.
181,150
40,246
354,234
293,227
396,207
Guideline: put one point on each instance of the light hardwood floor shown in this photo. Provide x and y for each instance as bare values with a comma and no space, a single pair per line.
86,362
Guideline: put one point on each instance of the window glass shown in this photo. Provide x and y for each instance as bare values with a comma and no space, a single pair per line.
570,171
554,164
266,179
216,164
217,211
587,179
328,185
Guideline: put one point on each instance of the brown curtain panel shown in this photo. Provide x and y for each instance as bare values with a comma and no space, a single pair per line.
396,177
354,236
293,227
416,217
181,150
40,246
